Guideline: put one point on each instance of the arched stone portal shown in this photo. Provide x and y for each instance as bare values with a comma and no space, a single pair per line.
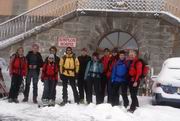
118,39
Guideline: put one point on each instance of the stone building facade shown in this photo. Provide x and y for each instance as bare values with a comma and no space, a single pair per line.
157,38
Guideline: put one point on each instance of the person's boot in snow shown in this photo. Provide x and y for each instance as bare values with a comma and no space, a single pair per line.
63,103
25,99
81,101
16,100
51,103
35,100
131,110
10,100
45,102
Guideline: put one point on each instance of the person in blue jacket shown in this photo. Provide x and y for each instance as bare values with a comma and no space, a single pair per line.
119,74
92,76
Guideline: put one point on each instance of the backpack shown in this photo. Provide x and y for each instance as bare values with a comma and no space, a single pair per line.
64,60
145,68
90,72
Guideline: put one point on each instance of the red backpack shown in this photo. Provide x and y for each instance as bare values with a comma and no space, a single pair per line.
145,68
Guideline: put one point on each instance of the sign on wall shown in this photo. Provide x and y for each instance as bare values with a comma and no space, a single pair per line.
67,42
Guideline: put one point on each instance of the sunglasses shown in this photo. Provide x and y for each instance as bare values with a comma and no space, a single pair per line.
51,58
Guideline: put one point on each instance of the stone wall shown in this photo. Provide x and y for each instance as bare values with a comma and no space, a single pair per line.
156,38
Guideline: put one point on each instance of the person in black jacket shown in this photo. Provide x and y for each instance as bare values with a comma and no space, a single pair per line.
35,62
84,58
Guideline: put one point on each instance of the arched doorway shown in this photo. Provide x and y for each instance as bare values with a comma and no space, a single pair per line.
118,39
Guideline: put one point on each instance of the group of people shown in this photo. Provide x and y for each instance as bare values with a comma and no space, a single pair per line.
114,71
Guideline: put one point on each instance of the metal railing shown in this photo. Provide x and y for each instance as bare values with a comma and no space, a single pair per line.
129,5
36,17
57,8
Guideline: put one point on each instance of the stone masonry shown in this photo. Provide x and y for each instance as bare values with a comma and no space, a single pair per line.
157,38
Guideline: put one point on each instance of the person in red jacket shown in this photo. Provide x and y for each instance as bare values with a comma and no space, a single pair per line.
49,77
105,60
135,71
18,70
112,61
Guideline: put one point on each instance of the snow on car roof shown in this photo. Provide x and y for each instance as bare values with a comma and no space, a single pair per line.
172,62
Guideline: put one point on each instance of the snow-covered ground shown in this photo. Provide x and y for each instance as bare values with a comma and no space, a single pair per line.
73,112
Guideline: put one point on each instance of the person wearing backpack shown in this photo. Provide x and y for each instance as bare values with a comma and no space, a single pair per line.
69,67
93,77
35,62
84,58
119,74
18,70
135,72
104,81
49,77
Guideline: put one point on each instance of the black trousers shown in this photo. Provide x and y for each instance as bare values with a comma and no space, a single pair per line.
16,81
96,84
115,93
134,92
71,80
109,91
34,75
49,89
82,87
104,82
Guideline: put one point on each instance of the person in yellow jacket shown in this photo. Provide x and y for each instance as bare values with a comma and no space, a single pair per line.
69,67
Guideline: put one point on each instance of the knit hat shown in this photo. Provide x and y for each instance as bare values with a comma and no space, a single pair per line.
51,56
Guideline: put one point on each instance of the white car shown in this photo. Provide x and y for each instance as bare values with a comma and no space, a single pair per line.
166,87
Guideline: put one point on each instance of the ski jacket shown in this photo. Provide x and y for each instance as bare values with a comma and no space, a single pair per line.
94,69
49,72
119,71
18,66
83,61
69,65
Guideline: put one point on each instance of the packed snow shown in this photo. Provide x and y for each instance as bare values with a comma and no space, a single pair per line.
82,112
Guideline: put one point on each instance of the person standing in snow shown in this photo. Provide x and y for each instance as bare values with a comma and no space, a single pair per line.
84,58
135,71
49,77
18,70
105,60
93,77
53,50
112,61
119,79
69,68
35,62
